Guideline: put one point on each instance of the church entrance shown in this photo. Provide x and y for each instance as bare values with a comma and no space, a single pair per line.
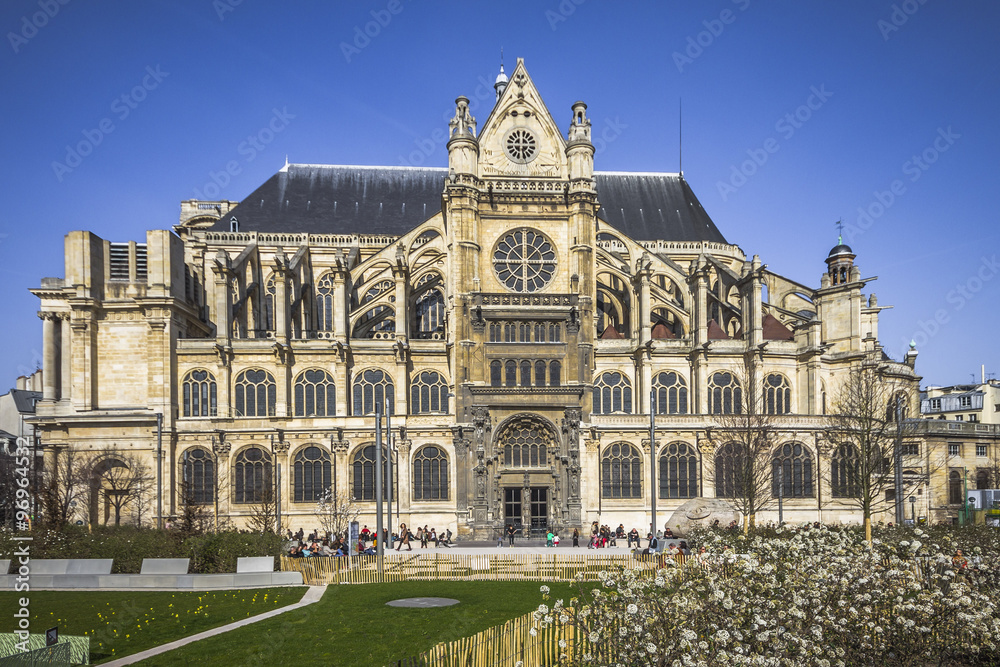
539,510
527,512
512,508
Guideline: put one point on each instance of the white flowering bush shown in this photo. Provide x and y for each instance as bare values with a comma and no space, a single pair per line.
795,596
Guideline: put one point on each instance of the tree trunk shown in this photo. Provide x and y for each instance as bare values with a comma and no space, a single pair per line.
868,529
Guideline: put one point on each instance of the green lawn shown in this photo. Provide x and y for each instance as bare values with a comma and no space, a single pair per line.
352,625
121,623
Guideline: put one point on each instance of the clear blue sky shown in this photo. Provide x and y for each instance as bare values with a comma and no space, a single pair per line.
198,78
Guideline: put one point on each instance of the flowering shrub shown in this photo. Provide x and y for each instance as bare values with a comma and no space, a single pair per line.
796,596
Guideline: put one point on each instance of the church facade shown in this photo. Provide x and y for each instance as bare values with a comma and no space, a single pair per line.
518,314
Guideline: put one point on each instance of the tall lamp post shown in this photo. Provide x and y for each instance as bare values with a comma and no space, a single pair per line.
378,480
913,502
652,458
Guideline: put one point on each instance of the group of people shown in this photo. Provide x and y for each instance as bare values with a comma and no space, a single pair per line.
424,535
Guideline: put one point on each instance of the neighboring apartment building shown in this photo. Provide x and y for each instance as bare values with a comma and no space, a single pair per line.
518,312
964,402
17,406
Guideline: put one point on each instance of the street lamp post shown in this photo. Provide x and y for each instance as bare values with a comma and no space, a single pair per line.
913,502
388,470
378,480
652,458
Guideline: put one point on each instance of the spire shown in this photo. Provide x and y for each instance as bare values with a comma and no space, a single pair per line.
501,82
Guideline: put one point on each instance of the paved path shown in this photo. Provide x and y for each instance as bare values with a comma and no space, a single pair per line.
492,550
312,595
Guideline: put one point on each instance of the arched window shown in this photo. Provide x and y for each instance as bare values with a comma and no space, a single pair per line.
197,477
539,373
678,471
555,373
725,397
524,444
252,476
845,472
983,481
371,387
312,474
612,393
324,303
621,472
315,394
199,394
428,310
270,294
955,487
730,470
363,473
255,394
430,474
510,373
777,395
671,394
428,393
898,403
525,373
496,371
792,468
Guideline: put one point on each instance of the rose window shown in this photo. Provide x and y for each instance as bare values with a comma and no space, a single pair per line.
524,261
521,146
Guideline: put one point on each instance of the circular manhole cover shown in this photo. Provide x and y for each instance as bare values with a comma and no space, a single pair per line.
422,602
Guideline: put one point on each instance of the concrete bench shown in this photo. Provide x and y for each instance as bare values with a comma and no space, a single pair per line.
254,565
4,565
165,566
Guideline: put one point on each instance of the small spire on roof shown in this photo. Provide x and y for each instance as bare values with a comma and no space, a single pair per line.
840,231
501,82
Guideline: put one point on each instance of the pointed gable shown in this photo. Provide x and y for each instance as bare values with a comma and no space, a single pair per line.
715,332
661,332
773,329
610,333
520,138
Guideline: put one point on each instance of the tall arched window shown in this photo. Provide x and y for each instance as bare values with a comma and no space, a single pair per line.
612,393
324,303
898,403
524,444
845,472
363,473
428,310
955,495
671,394
496,372
510,373
525,373
199,394
197,477
792,468
255,394
428,393
555,373
252,476
730,470
312,474
315,394
621,472
430,474
371,387
983,481
539,373
777,395
725,396
678,471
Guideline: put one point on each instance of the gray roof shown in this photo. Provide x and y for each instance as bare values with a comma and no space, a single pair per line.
24,400
333,199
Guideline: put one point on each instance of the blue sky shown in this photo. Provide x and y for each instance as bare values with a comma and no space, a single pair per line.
795,115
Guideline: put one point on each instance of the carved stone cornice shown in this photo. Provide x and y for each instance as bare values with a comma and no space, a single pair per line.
280,447
340,446
221,448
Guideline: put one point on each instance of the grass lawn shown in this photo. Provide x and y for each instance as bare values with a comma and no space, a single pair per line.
352,625
121,623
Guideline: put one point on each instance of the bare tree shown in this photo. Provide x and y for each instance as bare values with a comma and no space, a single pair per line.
336,511
264,516
62,486
745,442
125,480
866,427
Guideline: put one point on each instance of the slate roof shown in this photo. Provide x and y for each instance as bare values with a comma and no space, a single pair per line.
24,400
334,199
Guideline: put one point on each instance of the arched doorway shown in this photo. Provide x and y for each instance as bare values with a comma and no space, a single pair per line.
527,494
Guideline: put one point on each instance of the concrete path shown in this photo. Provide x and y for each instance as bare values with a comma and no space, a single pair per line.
312,595
517,549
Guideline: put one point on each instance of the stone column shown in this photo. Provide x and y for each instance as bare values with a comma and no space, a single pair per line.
341,467
403,471
280,449
66,358
49,373
706,450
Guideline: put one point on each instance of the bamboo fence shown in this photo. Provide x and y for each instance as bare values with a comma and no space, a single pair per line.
318,571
